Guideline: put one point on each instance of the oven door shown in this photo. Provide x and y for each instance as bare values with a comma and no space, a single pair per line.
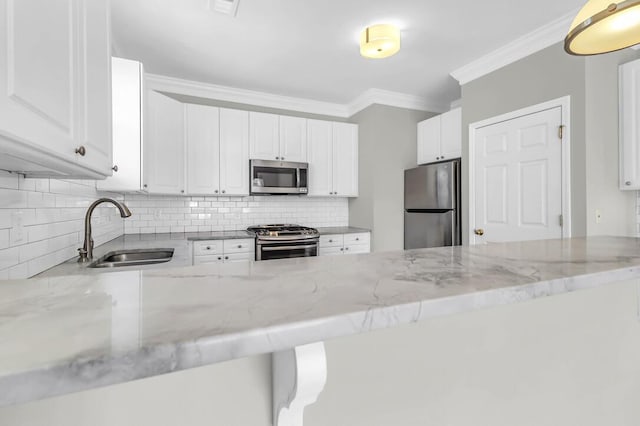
286,249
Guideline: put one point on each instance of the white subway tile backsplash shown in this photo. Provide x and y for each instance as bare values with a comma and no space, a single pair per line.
41,222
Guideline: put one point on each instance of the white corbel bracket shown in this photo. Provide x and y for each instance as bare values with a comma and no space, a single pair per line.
299,375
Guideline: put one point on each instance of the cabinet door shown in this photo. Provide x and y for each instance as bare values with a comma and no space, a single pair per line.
451,134
345,159
39,94
96,86
164,145
293,139
429,140
320,151
263,136
234,152
126,126
203,149
629,139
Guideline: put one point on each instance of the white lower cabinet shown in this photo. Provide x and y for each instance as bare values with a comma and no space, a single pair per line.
336,244
223,251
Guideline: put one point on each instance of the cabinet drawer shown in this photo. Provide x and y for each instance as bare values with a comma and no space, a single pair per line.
331,251
200,260
331,240
207,247
239,246
356,248
238,257
361,238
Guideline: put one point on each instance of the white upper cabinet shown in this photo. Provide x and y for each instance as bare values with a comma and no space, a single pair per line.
164,145
333,158
320,151
234,152
345,159
277,137
127,127
629,139
203,149
293,139
440,137
55,85
264,139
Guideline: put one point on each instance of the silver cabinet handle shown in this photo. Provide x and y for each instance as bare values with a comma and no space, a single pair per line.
277,158
628,183
226,258
357,239
341,249
219,257
81,150
216,191
182,191
115,168
442,157
282,158
239,245
144,186
330,241
208,247
223,191
346,248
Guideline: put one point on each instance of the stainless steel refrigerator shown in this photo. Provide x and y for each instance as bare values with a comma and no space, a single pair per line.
432,205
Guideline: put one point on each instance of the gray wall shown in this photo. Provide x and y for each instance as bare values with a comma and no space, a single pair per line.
617,207
387,146
592,83
543,76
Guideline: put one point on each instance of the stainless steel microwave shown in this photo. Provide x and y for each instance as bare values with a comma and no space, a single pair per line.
278,177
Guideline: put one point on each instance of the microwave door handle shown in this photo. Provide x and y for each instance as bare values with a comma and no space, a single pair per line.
297,177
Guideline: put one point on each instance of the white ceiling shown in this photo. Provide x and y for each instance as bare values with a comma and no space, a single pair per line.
309,49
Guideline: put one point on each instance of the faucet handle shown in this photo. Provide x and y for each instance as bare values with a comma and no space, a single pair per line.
82,255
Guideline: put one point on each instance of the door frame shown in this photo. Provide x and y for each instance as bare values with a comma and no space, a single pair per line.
565,113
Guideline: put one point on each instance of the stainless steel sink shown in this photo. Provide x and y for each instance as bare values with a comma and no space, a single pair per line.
133,257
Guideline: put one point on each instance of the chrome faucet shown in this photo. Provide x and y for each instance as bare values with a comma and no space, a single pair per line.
86,252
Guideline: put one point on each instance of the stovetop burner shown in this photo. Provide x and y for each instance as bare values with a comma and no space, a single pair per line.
282,229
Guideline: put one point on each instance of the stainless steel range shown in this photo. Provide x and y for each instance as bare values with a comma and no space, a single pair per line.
282,241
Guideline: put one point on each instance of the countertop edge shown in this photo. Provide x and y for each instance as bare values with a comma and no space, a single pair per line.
167,358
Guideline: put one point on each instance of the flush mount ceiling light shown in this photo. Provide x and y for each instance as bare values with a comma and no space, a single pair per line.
379,41
604,26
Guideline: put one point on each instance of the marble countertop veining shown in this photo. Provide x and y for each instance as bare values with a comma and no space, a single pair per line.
66,334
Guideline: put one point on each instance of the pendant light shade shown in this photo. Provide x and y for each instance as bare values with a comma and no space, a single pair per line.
379,41
604,26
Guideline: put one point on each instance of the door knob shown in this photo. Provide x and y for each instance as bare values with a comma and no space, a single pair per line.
479,231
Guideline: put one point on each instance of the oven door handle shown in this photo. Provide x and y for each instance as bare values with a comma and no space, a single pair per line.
281,248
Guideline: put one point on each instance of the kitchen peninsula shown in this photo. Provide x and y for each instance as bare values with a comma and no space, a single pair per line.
66,334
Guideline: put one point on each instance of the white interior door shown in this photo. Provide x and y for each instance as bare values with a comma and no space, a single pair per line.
518,178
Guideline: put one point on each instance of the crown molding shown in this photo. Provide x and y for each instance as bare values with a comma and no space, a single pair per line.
519,48
369,97
394,99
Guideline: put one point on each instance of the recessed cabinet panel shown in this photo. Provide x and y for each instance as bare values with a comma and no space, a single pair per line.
440,137
97,82
320,152
629,139
234,152
264,138
293,139
429,140
55,88
164,145
345,160
203,149
127,127
451,134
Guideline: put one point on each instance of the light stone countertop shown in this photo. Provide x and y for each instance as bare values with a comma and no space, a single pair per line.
66,334
329,230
